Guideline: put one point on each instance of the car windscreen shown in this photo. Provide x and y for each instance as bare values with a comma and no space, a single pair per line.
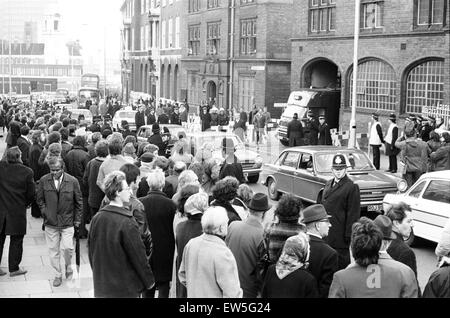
291,110
127,114
356,161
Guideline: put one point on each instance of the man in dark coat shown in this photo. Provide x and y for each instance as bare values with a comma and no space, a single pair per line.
16,194
390,139
163,119
156,139
160,212
400,214
312,125
324,132
438,285
341,198
175,117
116,251
24,144
151,118
38,140
139,118
323,259
295,132
205,117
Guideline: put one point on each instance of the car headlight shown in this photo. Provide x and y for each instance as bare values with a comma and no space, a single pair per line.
402,185
258,162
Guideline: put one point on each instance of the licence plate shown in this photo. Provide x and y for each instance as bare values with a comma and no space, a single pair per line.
375,208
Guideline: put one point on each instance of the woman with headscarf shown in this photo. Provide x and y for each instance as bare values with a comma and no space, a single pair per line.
180,152
193,208
288,278
211,176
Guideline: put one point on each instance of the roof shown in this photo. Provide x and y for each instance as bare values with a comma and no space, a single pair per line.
445,174
315,149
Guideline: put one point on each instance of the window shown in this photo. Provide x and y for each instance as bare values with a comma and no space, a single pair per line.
248,37
246,92
147,36
430,12
247,1
170,32
194,5
415,193
212,4
306,162
437,191
177,32
425,86
322,16
377,86
213,38
372,14
194,40
132,39
291,160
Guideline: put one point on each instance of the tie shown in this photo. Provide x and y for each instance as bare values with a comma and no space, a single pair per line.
57,185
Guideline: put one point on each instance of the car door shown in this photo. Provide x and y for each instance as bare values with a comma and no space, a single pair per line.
305,181
286,171
432,210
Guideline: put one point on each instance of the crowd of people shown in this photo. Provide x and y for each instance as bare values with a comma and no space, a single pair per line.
189,225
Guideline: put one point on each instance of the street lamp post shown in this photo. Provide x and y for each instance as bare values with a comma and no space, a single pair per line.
352,139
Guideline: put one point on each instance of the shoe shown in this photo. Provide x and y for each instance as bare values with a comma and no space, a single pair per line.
57,282
387,170
18,272
69,275
2,273
394,171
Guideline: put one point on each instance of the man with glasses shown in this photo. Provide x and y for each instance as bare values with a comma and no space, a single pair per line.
323,260
341,198
61,203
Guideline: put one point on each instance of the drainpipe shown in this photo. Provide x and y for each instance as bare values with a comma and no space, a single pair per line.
231,57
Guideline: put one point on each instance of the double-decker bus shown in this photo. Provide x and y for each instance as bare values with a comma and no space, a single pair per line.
90,80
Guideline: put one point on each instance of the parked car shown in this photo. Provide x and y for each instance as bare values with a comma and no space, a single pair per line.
303,171
251,161
124,114
74,113
174,135
429,199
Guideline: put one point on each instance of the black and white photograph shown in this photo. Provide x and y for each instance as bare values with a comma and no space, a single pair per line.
198,150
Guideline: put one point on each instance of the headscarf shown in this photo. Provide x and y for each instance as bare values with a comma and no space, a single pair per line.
295,255
196,204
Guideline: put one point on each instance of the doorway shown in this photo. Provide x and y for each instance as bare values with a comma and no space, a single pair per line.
211,92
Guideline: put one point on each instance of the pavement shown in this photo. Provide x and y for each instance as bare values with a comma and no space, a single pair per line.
38,281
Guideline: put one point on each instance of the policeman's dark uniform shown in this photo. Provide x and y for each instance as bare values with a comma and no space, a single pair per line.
313,128
342,201
295,132
324,134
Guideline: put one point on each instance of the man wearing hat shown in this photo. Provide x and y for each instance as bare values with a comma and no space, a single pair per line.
425,130
312,127
295,132
156,139
341,198
391,138
324,132
323,260
376,140
246,242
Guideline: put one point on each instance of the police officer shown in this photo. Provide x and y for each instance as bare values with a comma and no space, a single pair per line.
341,199
376,140
295,132
324,132
312,126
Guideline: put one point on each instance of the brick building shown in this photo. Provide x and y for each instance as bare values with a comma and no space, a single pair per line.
140,47
404,56
172,12
237,52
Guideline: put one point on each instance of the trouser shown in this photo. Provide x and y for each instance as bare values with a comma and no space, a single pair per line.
412,177
55,240
163,290
376,155
15,249
343,257
393,163
85,217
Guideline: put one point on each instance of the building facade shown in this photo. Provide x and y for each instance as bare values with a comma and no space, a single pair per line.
404,56
172,13
140,47
237,52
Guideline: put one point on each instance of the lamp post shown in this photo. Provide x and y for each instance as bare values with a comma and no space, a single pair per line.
352,139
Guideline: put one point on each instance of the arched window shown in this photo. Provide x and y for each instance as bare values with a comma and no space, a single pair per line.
424,86
377,85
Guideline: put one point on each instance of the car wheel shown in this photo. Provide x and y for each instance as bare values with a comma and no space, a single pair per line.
253,179
272,190
284,142
410,240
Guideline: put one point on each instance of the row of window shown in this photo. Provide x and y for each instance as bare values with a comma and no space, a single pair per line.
42,71
171,28
377,86
213,36
322,14
195,5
